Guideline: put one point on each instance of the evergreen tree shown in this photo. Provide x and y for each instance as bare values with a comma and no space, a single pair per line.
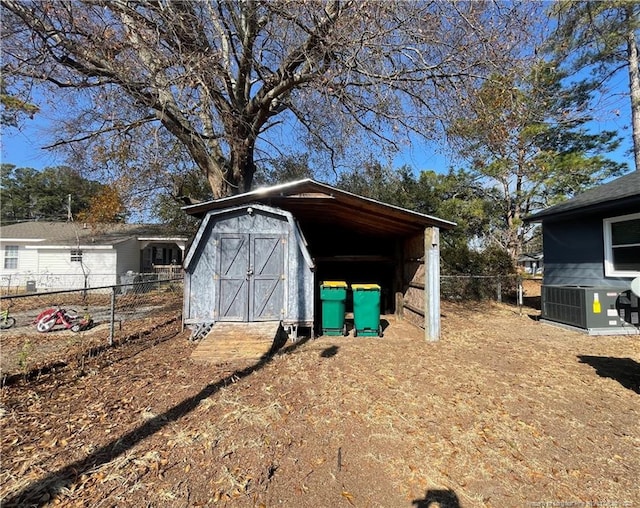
525,139
51,194
601,37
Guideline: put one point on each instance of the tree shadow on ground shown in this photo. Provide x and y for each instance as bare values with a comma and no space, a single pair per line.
329,352
35,493
438,498
625,371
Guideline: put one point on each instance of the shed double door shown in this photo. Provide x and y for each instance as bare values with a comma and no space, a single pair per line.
251,277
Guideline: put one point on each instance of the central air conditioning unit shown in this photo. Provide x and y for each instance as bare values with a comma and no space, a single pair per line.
599,310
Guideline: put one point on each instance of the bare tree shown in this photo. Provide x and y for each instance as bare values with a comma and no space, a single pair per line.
219,75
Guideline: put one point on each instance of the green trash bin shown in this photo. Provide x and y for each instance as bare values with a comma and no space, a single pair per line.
366,310
333,295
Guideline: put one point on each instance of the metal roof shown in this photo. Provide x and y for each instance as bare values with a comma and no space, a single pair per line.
318,203
74,233
621,191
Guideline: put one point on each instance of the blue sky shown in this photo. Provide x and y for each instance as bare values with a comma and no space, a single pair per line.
24,147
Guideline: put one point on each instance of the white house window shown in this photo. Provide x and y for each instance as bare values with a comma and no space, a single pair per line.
622,246
76,256
11,257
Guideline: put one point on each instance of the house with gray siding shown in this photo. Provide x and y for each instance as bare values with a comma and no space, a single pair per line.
591,246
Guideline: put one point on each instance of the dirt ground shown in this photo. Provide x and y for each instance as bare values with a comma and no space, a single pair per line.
503,411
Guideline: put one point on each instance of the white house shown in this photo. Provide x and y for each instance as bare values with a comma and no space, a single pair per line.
41,256
532,263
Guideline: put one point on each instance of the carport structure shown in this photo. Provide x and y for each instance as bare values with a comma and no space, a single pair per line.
328,234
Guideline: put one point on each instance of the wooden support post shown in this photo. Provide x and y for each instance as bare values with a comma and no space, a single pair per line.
399,305
432,284
398,279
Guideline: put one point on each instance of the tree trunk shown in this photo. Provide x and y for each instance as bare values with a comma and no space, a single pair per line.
237,175
634,85
241,166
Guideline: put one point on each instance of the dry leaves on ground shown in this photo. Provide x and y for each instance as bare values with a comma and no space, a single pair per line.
503,411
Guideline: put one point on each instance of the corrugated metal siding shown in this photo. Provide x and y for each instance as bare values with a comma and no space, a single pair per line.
199,282
300,286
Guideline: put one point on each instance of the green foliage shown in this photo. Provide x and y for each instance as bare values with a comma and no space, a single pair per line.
593,34
524,139
460,259
187,189
284,169
372,180
476,273
27,194
23,356
169,211
595,42
457,196
13,107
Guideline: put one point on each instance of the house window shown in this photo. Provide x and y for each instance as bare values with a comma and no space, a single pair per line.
622,246
76,256
11,257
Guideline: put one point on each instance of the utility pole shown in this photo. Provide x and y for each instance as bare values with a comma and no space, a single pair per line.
69,215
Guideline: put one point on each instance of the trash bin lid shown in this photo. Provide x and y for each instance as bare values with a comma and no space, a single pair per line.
334,284
364,286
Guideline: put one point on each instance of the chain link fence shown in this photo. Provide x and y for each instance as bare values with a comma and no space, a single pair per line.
32,282
500,288
127,311
110,315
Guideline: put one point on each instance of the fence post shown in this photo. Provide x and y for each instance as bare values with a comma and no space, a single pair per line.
112,324
499,289
520,295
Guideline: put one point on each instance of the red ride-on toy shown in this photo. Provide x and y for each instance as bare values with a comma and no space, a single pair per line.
68,318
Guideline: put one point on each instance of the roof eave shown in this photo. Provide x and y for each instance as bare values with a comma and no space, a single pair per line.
590,208
200,209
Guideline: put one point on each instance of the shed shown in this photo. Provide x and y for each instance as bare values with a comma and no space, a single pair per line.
591,246
262,255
